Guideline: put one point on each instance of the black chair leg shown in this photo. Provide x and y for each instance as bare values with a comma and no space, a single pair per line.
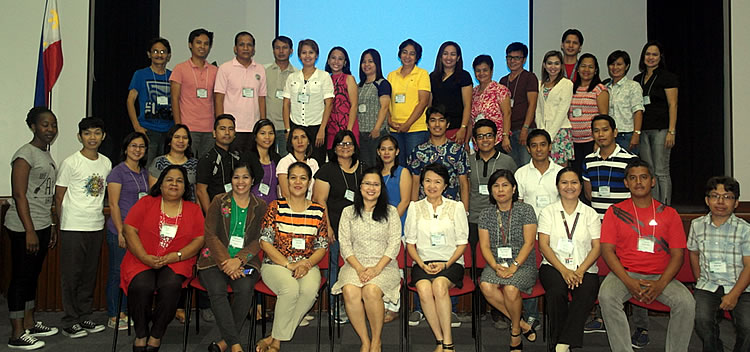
262,298
253,321
119,307
186,328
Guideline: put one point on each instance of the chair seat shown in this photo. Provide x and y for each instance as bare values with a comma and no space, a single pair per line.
655,305
455,291
536,291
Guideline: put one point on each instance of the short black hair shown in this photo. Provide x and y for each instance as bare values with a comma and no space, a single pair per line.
33,116
283,39
506,174
156,188
483,59
245,164
162,41
338,138
638,162
200,31
730,185
229,117
126,143
417,48
539,132
619,54
612,123
518,46
302,165
437,168
435,109
90,122
575,32
238,35
568,169
484,123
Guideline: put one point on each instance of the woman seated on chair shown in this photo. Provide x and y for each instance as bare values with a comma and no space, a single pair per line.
506,237
437,233
294,239
370,239
569,240
164,232
230,257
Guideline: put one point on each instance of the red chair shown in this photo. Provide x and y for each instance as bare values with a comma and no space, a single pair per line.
262,290
468,288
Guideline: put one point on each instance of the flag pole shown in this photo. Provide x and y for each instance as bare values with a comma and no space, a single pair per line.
49,99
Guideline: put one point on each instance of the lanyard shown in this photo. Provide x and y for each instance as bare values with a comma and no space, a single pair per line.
651,85
136,181
651,223
196,79
163,216
568,231
221,165
156,80
347,182
502,228
518,78
270,176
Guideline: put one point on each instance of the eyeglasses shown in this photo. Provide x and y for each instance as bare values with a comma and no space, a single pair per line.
137,146
155,52
485,136
371,184
514,58
345,144
726,196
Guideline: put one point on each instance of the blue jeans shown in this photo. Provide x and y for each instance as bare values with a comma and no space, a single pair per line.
113,276
655,154
155,144
708,315
280,143
333,267
202,143
518,152
407,142
623,140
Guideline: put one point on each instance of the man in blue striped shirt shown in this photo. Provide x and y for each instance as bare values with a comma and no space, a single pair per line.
719,244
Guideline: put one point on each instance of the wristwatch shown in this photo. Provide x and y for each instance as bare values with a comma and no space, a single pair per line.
638,132
515,263
672,132
179,256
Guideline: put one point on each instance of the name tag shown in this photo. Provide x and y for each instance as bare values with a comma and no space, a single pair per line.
162,100
263,189
567,261
400,98
298,243
483,190
504,252
303,98
542,201
717,267
168,230
646,244
511,103
565,245
201,93
604,191
248,92
279,94
142,194
437,239
646,100
227,187
349,195
577,112
236,241
362,108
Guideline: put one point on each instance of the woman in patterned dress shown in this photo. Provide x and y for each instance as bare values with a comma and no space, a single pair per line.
344,109
491,100
552,108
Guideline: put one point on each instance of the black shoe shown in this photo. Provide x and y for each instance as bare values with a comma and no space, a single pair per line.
25,342
519,346
139,348
152,348
214,347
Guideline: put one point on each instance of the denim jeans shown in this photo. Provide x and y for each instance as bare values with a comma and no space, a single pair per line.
280,143
519,153
623,140
708,315
155,144
655,154
113,276
202,143
407,142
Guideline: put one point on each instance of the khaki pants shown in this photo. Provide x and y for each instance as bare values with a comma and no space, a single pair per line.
294,297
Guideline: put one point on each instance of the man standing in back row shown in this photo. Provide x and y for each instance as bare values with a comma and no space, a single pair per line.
276,75
524,90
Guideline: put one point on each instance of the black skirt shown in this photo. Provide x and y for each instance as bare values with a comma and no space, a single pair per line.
454,273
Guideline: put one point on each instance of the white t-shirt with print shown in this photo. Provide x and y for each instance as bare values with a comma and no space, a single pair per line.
86,184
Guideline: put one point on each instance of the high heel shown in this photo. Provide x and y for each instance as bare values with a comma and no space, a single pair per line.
439,344
152,348
529,333
519,346
139,348
449,347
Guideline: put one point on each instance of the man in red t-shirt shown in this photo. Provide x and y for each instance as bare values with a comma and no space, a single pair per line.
643,243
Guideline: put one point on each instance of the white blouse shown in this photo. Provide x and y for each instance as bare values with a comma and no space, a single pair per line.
437,232
308,97
588,228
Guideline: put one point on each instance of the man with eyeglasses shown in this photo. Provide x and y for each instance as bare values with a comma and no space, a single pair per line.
151,87
719,245
524,90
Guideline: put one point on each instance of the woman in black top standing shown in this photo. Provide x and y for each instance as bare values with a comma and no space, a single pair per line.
451,87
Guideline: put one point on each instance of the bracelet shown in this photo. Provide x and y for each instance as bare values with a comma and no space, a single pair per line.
463,126
526,126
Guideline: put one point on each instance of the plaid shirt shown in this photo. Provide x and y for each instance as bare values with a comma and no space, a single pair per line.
727,243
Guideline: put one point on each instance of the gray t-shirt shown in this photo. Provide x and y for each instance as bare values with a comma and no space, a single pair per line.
41,189
479,174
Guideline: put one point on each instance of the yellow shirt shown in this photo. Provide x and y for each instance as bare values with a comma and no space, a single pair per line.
410,85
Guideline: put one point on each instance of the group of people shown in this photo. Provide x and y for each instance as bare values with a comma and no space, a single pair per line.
245,187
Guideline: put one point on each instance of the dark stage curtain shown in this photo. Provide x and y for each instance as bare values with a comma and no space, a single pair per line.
693,37
122,30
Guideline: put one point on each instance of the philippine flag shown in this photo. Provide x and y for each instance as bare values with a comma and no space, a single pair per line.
50,54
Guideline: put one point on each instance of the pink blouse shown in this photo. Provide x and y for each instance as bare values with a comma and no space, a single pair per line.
486,105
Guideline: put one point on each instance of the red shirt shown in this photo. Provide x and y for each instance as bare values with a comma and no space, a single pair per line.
144,216
619,228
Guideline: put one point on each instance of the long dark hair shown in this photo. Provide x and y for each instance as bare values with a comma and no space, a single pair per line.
662,57
346,68
545,74
376,60
156,188
379,161
170,135
254,144
437,73
126,142
380,213
594,80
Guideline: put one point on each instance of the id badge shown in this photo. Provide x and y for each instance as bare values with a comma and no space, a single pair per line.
349,195
227,187
142,194
162,100
298,243
542,201
303,98
646,244
236,241
604,191
279,94
201,93
362,108
717,266
504,253
568,261
248,92
646,100
565,245
483,190
437,239
168,230
577,112
400,98
263,189
511,102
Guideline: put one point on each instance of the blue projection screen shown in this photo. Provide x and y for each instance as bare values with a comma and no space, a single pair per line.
479,27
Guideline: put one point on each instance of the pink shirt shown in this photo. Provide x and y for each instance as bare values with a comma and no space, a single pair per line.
583,108
486,105
197,113
241,87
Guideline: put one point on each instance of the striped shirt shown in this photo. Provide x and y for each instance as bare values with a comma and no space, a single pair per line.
582,110
726,244
282,226
607,172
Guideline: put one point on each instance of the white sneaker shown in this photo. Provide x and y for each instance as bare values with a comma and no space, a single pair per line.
25,342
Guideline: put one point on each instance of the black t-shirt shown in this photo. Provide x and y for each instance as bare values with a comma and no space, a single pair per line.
339,182
215,169
656,115
448,93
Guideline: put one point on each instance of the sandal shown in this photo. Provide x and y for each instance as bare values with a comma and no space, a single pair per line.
439,345
449,347
262,345
390,316
519,346
530,332
180,316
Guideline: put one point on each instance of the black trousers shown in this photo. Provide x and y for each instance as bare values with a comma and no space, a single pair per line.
166,286
25,269
566,319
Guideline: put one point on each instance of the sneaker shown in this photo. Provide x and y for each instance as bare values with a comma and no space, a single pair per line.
120,324
639,338
26,342
342,318
595,325
75,331
464,317
41,330
415,317
455,323
207,315
91,327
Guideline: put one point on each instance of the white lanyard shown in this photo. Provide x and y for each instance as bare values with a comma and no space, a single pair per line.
651,223
136,181
155,80
344,176
516,85
651,85
192,70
